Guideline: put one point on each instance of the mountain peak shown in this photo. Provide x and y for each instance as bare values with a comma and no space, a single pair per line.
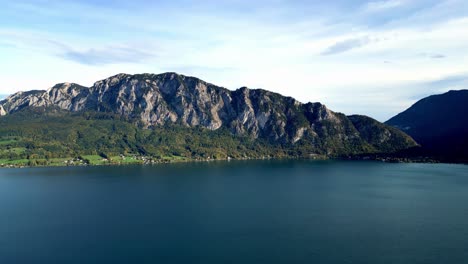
64,86
439,123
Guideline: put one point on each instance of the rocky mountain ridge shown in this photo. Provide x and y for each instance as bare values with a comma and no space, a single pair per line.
152,101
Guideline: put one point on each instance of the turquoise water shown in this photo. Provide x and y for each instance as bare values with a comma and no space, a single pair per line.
236,212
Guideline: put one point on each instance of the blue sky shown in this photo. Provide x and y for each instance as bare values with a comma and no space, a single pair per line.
357,57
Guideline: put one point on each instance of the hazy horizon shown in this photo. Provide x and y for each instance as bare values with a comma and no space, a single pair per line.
357,57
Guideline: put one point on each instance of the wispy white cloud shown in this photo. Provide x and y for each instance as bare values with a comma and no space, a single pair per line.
457,81
108,55
377,6
437,56
346,45
433,55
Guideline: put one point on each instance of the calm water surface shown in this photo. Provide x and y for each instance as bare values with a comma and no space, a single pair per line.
236,212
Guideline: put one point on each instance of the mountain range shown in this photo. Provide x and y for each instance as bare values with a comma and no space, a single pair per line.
168,115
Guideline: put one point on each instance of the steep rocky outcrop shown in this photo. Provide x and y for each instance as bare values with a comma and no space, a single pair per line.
155,100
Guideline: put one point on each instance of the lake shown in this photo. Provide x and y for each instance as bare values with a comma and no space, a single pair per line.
236,212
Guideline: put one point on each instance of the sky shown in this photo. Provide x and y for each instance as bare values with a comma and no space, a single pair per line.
357,57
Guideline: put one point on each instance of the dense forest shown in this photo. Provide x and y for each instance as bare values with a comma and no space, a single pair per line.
55,137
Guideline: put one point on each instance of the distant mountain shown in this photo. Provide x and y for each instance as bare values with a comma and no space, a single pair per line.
439,123
155,102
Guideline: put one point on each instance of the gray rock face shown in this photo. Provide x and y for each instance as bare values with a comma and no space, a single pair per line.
155,100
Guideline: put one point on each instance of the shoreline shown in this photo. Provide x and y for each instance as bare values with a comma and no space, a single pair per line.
151,161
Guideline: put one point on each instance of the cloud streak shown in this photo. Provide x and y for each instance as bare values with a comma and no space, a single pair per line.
458,81
108,55
378,6
437,56
104,55
433,55
346,45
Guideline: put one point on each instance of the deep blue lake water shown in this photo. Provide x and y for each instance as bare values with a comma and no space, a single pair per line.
236,212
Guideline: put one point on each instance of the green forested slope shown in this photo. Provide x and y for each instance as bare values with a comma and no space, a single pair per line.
57,137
